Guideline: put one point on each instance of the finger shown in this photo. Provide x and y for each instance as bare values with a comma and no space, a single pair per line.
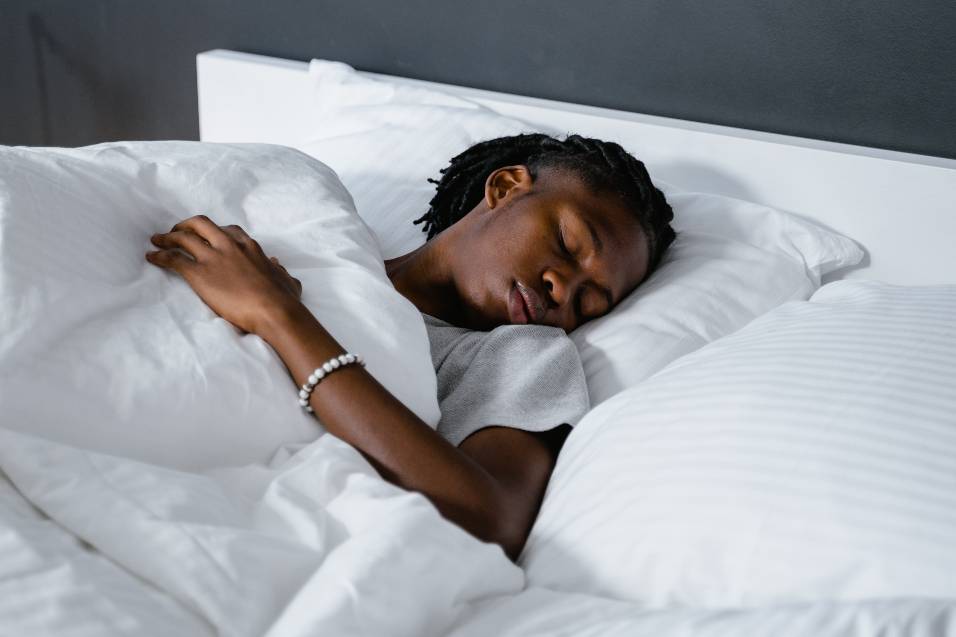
296,284
237,233
188,241
276,262
205,228
171,260
241,237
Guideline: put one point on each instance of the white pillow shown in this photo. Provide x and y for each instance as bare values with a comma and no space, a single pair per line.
385,140
100,349
733,260
809,456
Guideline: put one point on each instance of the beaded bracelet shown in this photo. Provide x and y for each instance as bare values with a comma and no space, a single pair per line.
321,372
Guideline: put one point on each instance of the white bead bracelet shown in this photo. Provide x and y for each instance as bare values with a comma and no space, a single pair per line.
321,372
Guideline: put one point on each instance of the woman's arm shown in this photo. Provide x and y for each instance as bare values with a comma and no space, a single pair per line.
491,485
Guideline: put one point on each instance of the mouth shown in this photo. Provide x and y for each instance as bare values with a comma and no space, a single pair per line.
522,305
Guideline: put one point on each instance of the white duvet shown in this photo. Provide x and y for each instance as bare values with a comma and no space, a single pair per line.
101,349
315,544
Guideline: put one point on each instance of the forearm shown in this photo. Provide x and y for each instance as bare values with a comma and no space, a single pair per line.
491,485
355,407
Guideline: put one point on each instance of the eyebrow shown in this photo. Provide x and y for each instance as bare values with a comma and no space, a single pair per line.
598,248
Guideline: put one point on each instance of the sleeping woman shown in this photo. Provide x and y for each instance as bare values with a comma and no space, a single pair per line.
529,237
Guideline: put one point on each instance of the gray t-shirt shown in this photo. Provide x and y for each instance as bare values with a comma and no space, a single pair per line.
523,376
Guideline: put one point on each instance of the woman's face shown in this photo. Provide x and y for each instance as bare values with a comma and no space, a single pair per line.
548,252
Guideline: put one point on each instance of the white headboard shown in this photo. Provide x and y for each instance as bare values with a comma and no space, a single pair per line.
901,207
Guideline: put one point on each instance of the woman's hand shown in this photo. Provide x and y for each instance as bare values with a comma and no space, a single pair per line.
228,270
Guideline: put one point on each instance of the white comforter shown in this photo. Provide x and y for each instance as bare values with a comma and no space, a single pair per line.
314,544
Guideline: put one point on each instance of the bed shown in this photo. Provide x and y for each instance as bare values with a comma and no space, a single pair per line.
770,444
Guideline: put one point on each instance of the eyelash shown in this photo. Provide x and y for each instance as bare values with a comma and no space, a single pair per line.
564,248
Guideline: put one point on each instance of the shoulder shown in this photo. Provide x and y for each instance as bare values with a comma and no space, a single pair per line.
543,341
511,343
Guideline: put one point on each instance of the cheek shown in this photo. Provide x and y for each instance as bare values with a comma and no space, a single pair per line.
505,250
488,286
477,283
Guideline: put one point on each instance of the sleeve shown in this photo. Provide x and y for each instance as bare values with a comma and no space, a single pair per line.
528,377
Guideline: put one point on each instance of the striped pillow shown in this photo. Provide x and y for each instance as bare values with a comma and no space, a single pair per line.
810,456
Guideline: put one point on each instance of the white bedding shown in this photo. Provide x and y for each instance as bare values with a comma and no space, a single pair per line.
809,457
52,583
539,612
316,544
101,349
312,542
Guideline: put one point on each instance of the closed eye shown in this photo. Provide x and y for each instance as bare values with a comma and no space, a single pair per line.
578,304
564,247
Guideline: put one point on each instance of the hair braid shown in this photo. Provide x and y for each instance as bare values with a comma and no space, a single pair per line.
603,166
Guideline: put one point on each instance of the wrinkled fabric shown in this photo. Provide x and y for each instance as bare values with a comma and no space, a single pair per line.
314,543
101,349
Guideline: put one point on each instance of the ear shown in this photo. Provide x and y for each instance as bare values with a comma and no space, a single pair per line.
506,183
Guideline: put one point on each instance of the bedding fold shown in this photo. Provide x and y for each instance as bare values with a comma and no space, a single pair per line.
315,543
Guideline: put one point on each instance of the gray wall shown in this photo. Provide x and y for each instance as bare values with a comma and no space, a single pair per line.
875,72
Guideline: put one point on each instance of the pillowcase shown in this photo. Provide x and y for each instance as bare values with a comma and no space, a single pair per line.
102,350
732,261
807,457
385,140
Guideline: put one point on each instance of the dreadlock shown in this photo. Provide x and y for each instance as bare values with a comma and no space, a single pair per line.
602,166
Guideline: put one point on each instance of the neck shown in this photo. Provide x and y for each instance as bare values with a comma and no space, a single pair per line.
424,277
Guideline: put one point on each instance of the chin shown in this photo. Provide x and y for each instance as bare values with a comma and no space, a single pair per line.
476,318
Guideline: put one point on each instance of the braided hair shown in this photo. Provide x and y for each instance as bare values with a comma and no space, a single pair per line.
602,166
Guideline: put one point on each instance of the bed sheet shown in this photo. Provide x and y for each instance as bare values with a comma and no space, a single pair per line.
539,612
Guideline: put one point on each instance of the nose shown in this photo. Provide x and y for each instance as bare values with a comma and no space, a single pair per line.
560,285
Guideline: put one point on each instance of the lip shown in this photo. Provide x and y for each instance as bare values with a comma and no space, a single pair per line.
531,306
517,311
